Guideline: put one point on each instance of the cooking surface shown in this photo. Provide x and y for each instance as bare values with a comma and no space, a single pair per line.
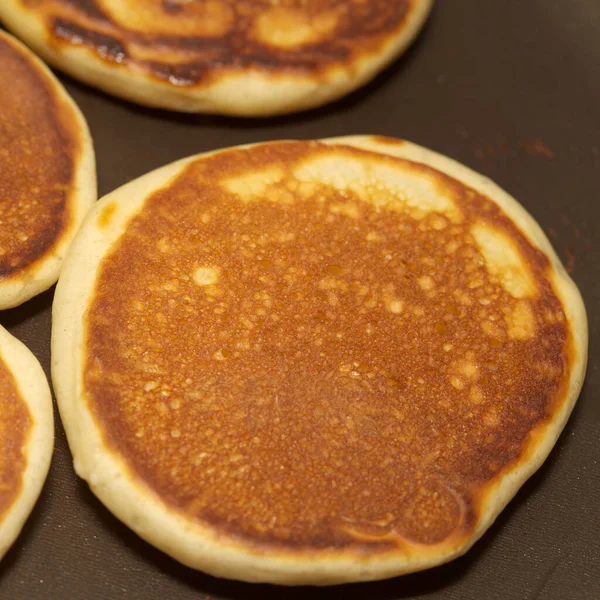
509,89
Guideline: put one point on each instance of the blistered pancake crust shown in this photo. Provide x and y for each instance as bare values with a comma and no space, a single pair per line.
37,154
185,43
14,427
308,366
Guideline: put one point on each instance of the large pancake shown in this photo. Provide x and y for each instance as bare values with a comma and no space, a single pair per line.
305,362
26,434
47,173
251,57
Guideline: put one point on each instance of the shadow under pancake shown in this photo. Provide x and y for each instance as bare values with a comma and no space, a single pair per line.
12,318
399,588
336,107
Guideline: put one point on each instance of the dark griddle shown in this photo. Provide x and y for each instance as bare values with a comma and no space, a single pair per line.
510,88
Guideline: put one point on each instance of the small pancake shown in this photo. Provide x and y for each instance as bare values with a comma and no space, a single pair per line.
313,362
27,434
47,173
254,57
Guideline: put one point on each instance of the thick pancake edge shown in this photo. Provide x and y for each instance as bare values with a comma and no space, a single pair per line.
35,392
251,92
198,546
42,273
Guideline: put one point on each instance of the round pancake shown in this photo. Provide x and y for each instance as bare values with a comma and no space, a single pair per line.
47,174
313,362
250,58
27,434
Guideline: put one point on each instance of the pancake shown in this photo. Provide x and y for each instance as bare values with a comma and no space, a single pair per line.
313,362
47,174
250,58
27,434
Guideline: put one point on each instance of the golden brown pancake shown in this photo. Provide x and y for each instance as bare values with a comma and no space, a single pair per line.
313,362
13,431
255,57
27,434
47,178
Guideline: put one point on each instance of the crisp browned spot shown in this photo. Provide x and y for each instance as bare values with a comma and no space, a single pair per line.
186,42
106,215
382,140
314,360
14,427
37,153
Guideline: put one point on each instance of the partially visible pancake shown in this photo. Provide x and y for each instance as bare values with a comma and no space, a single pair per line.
47,173
313,362
250,57
26,434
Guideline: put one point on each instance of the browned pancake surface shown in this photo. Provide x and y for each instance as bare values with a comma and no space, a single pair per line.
14,427
302,368
37,154
185,42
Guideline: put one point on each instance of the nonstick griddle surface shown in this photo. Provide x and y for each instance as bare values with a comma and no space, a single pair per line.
511,89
